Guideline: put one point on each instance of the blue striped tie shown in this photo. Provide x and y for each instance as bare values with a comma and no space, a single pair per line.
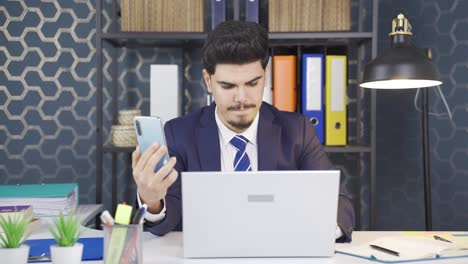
241,161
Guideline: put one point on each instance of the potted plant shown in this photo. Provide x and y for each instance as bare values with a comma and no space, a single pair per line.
12,249
66,233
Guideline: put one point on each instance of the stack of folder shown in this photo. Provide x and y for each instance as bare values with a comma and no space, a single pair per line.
323,92
162,15
45,199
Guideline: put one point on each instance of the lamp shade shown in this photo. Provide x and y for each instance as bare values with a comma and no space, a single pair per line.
402,65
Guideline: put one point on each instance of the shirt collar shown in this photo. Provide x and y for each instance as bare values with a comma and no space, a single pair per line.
227,134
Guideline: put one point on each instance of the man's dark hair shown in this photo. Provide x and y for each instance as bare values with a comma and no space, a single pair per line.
235,42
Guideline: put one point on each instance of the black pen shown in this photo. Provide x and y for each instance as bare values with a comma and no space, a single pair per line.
436,237
139,215
385,250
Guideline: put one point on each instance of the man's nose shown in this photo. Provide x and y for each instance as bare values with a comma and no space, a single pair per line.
240,94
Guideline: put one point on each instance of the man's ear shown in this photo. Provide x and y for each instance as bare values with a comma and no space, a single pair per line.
207,78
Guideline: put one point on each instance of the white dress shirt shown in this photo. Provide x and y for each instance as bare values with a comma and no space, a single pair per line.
228,153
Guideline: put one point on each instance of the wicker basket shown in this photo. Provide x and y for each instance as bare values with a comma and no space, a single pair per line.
309,15
126,116
162,15
123,136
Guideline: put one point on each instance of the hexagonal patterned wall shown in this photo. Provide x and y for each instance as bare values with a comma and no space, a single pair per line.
47,93
442,26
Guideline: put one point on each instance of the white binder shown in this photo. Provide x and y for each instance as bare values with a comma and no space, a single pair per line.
165,93
268,89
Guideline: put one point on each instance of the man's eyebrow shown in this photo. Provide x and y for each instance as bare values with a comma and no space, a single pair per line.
225,83
232,84
254,79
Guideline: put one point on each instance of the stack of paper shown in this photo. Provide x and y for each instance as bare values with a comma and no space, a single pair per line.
46,199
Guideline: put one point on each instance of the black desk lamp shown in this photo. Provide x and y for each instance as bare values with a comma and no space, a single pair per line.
405,66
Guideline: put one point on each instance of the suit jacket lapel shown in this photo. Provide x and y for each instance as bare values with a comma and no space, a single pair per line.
207,139
268,140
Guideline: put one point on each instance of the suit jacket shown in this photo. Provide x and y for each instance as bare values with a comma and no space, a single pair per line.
286,141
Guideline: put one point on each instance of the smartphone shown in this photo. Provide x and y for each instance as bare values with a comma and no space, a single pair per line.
149,130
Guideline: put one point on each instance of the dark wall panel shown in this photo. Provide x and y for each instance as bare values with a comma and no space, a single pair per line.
441,26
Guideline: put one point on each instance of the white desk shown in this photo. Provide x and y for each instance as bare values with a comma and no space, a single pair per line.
168,249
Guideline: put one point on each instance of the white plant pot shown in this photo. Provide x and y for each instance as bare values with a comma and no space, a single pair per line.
14,255
68,255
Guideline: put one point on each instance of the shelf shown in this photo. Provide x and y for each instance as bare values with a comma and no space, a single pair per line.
171,39
160,39
343,149
347,149
304,38
320,35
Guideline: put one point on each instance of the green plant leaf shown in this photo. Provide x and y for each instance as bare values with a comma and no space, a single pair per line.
67,230
14,229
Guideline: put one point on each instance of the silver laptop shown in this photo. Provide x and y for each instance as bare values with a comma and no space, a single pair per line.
259,214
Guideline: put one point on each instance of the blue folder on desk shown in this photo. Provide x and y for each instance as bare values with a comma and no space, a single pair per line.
92,248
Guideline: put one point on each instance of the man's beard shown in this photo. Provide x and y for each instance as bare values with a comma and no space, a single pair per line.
242,124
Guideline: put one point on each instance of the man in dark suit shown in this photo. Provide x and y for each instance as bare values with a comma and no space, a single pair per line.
238,132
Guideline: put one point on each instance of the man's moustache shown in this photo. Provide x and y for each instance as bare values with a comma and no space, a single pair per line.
241,106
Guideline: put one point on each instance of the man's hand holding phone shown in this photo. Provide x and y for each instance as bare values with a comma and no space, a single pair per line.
152,185
153,171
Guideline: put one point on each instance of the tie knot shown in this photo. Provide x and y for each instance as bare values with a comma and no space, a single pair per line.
239,142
